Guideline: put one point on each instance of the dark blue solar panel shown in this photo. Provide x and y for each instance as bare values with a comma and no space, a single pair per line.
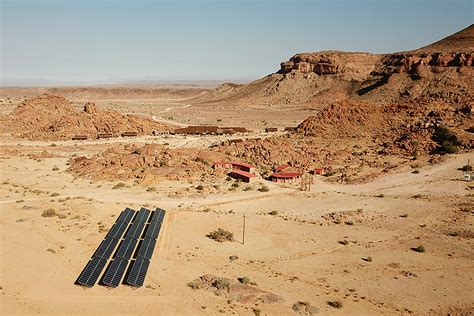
126,248
117,230
146,248
142,215
91,272
106,248
153,230
155,215
114,273
137,274
126,215
135,230
161,217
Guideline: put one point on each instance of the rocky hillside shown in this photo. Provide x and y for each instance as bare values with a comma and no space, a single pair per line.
51,117
441,71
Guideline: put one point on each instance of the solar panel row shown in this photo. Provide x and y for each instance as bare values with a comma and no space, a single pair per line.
139,268
94,267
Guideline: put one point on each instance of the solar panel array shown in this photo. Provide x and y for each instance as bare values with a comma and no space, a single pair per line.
133,238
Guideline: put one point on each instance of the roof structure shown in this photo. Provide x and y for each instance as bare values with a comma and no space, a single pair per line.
244,173
282,167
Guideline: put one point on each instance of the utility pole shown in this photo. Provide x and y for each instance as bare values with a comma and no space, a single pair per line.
243,232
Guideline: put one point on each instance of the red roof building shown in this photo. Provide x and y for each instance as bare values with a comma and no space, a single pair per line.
285,176
242,175
282,167
318,170
234,165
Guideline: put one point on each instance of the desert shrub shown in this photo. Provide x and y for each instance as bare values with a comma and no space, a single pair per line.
228,178
221,284
118,185
53,145
470,129
55,168
273,213
264,188
368,259
151,189
247,188
446,140
235,185
49,213
221,235
335,304
466,168
417,196
54,194
418,249
200,187
404,215
380,195
244,280
343,242
350,223
416,171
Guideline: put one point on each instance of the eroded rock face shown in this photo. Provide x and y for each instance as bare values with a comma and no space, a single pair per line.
329,63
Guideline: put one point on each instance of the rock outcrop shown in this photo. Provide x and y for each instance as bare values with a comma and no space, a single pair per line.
51,117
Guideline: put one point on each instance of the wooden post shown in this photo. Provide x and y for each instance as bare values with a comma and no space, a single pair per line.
243,232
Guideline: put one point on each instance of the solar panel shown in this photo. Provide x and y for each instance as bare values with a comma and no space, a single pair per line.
126,248
114,273
146,248
117,230
91,272
137,274
155,215
142,215
153,230
158,215
161,217
126,215
135,230
106,248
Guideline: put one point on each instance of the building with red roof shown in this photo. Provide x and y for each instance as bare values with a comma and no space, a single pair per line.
282,167
234,165
242,175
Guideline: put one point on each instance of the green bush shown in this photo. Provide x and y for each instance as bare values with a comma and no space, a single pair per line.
446,140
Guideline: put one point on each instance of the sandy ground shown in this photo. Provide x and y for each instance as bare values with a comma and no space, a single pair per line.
295,254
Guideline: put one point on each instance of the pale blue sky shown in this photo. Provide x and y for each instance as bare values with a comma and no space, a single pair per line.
91,41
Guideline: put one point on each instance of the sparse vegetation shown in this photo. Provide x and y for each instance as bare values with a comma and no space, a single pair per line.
264,188
273,213
247,188
200,187
221,235
335,304
54,194
350,223
343,242
416,171
49,213
55,168
418,249
446,140
244,280
151,189
118,186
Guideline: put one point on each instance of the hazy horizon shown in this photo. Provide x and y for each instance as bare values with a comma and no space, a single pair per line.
108,42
